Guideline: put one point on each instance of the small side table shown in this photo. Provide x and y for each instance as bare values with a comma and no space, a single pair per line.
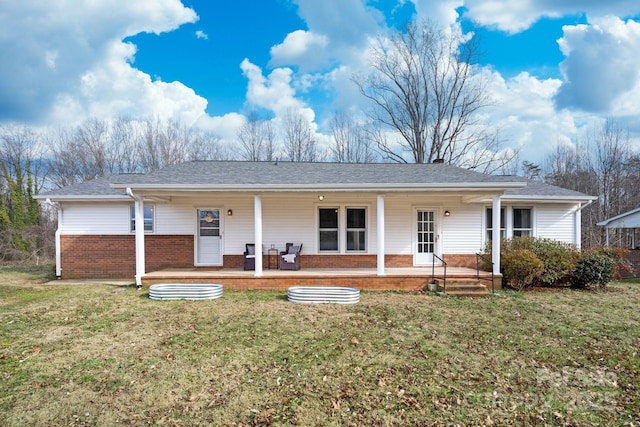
276,252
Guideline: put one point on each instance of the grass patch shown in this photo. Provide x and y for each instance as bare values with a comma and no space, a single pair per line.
101,355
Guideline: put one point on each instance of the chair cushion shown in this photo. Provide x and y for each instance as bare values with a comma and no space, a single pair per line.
251,250
293,249
289,258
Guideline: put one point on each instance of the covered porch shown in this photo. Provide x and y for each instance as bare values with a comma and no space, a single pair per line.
395,279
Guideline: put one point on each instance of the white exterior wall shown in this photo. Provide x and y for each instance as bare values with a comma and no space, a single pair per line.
462,231
556,222
285,221
96,218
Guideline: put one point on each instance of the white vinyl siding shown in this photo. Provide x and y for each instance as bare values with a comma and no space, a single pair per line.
462,230
96,218
554,221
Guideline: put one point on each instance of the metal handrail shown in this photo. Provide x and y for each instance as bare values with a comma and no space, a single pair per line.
485,259
433,271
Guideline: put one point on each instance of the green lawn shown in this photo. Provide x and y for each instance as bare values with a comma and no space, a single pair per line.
104,355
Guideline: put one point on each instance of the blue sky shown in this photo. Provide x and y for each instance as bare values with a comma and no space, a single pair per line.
554,69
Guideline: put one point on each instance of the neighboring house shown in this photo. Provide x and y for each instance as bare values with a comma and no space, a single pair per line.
376,216
626,221
629,222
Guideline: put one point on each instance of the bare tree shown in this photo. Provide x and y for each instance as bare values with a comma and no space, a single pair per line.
299,144
93,149
350,141
205,146
256,137
601,165
422,86
162,144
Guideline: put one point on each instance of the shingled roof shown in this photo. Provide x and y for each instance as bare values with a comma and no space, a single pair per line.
246,176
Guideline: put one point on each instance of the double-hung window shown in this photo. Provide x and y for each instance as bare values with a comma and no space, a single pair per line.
328,228
342,229
148,218
522,224
489,221
356,229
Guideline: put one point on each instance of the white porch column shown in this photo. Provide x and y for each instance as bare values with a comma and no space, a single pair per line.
495,237
139,221
257,217
380,232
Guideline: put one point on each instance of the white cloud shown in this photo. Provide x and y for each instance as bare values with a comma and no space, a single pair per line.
602,68
444,12
58,50
202,35
345,22
516,16
114,88
300,47
274,92
524,113
225,127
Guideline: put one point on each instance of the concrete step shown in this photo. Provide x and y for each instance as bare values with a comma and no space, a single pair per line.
466,288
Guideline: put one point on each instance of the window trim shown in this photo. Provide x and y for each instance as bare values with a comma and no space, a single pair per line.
342,228
336,229
508,222
513,215
132,218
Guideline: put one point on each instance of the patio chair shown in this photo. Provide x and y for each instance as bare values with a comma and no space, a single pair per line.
290,258
250,256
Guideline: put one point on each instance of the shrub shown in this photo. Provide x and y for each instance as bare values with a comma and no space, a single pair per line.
559,259
521,267
623,266
594,268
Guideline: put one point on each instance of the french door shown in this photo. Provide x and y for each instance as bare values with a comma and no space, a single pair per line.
425,236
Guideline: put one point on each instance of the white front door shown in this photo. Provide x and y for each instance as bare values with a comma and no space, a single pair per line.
425,236
209,237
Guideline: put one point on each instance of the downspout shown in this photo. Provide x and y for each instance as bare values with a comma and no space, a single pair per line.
139,221
578,224
58,206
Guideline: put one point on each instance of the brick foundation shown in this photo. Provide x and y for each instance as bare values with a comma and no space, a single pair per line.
111,256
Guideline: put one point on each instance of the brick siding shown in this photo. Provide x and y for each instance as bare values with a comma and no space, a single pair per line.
113,256
101,256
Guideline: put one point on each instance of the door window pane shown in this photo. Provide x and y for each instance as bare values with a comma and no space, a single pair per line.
209,222
426,232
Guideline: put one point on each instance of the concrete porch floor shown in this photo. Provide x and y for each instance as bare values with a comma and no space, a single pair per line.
407,279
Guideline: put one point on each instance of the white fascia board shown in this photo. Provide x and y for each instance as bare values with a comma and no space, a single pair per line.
548,199
82,198
328,187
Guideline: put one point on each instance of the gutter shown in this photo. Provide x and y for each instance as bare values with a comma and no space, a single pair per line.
57,236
